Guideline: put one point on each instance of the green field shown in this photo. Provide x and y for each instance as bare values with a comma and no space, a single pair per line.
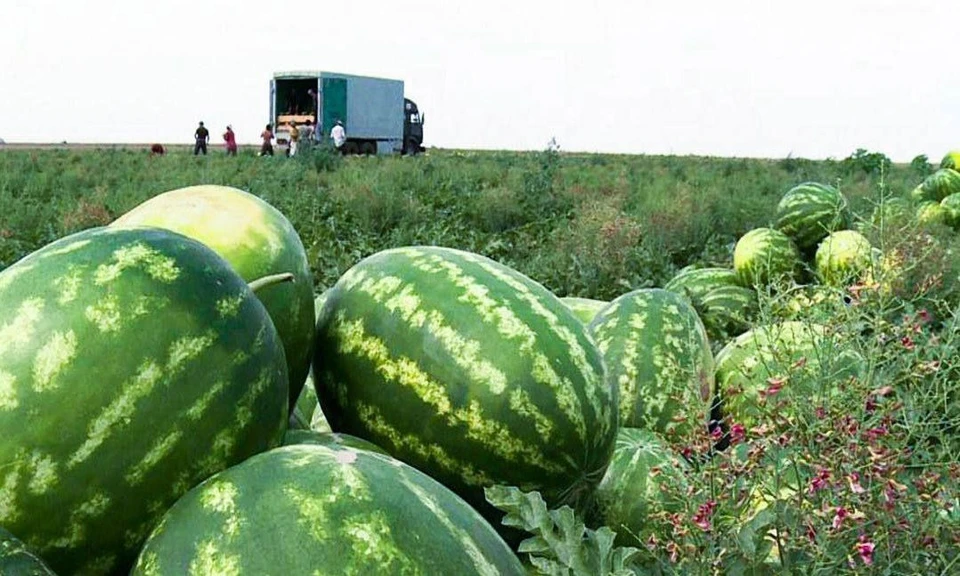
583,225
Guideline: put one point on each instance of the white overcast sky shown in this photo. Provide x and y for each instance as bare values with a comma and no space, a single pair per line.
814,79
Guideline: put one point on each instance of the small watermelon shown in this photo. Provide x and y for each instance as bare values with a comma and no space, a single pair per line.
765,257
951,160
309,509
843,257
810,211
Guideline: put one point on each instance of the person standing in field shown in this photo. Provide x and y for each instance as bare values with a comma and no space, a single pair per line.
202,135
294,138
231,141
339,135
266,149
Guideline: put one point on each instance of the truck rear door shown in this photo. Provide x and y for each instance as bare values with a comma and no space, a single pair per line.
273,102
334,103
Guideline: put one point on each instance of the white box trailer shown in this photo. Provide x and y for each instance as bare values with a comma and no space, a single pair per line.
376,116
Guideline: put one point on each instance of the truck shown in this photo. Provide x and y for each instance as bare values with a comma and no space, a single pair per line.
376,115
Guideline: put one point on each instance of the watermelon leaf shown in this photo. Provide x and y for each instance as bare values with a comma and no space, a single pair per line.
561,544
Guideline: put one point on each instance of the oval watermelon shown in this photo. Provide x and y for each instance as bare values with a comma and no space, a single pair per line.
951,207
584,308
765,257
312,510
937,186
656,350
726,307
257,240
467,370
951,160
810,211
17,560
931,212
143,364
645,477
843,257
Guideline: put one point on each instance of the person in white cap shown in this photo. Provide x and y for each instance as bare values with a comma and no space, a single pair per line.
339,135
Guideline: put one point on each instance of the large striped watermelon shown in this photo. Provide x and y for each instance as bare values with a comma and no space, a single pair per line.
810,211
726,307
301,510
765,257
937,186
584,308
645,477
134,363
951,160
17,560
796,362
467,370
843,257
657,352
257,240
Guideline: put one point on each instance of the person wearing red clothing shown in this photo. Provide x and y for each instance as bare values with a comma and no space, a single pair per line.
231,141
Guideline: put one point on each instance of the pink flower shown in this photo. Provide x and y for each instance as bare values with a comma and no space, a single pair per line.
775,384
854,481
839,517
907,342
737,432
702,517
820,481
865,548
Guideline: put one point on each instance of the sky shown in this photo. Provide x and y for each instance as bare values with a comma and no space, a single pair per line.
813,79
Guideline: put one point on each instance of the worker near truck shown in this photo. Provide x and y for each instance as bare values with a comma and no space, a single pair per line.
202,135
338,135
294,138
266,149
231,141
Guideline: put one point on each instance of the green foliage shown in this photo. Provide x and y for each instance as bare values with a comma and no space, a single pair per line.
869,162
921,166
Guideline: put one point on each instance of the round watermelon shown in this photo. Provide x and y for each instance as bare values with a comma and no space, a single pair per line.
931,212
793,362
584,308
814,302
951,207
765,257
134,363
316,510
843,257
810,211
645,477
329,439
657,352
467,370
257,240
17,560
951,160
937,186
725,307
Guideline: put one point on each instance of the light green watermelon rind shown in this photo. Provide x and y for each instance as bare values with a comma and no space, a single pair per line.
951,160
723,304
312,509
937,186
951,207
153,365
843,257
257,240
467,370
810,211
17,560
811,363
645,477
657,351
584,308
765,257
931,212
329,439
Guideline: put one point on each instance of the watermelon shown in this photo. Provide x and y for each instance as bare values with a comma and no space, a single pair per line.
467,370
810,211
951,160
317,510
17,560
657,352
257,240
806,362
951,207
725,306
329,439
764,257
843,257
143,364
931,212
584,308
644,477
816,302
937,186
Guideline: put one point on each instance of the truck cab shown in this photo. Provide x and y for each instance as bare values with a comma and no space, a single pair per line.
412,128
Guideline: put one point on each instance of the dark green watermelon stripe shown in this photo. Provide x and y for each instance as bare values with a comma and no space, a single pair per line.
493,438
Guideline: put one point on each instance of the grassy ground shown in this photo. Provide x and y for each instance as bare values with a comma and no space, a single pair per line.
585,225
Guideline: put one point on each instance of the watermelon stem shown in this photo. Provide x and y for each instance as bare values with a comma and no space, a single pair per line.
271,280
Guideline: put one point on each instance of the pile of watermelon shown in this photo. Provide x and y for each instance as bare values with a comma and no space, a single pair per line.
175,398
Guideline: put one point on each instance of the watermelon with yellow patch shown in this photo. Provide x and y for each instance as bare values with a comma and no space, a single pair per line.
843,258
765,257
257,240
932,212
318,510
134,363
467,370
657,352
951,160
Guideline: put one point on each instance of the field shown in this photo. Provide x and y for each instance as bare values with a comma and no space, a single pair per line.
847,460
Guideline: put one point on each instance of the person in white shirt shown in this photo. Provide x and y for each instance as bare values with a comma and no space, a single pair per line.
339,135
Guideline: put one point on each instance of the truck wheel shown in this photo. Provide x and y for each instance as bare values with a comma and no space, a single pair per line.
410,148
368,149
350,148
